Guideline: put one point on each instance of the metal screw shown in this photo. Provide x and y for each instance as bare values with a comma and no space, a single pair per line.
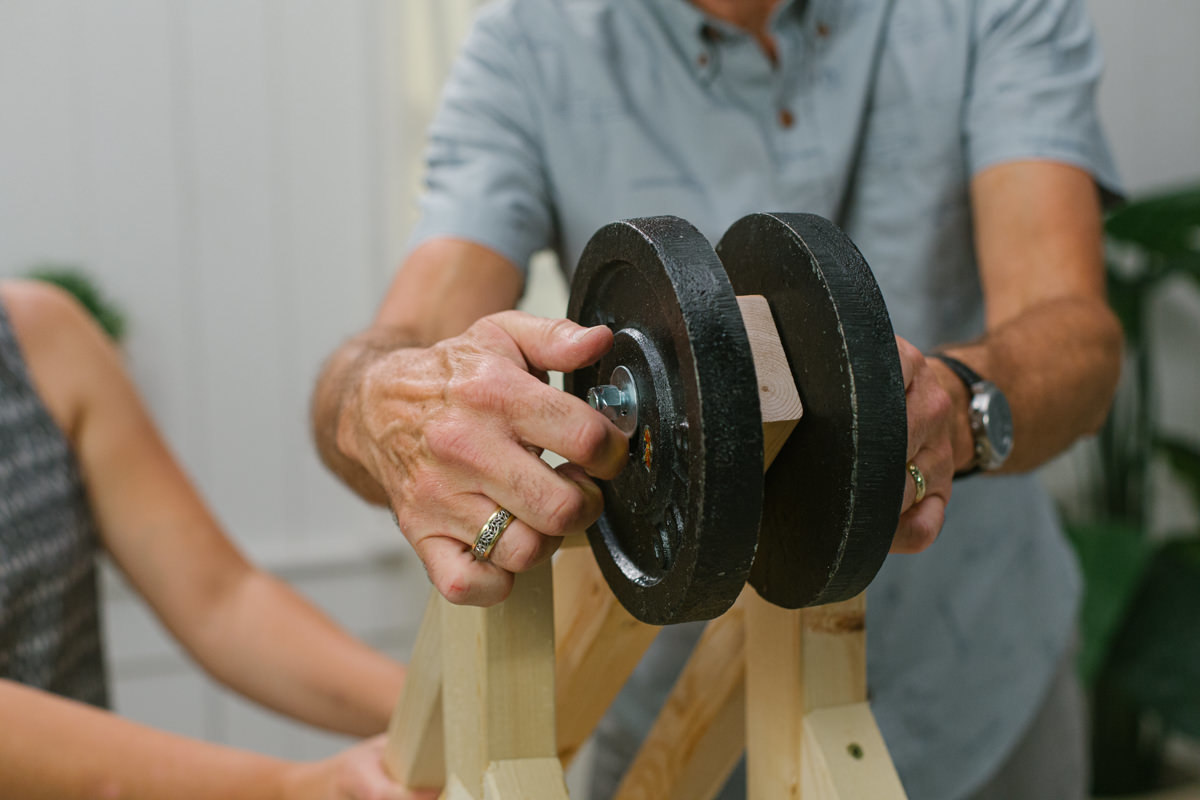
608,400
617,400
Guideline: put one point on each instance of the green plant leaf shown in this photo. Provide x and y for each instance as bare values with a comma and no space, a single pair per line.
1187,263
1166,225
1156,656
1114,558
1184,459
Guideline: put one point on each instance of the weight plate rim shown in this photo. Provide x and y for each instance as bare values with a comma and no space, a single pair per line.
879,433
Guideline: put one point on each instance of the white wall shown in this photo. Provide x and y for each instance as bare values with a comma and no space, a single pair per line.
1150,97
216,164
238,175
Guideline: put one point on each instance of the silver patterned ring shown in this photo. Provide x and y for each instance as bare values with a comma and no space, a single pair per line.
490,533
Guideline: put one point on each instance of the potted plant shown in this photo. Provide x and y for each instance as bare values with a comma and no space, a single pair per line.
1141,613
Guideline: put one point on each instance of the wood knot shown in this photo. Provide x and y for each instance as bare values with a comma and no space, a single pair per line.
837,621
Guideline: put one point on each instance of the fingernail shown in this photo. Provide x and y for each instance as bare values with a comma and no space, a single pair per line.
582,333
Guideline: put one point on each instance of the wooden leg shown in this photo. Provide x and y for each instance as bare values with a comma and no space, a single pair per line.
525,779
700,733
455,790
414,750
809,731
498,684
599,645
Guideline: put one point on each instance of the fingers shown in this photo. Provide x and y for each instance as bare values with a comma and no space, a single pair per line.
486,464
356,774
374,781
930,427
553,344
928,404
910,359
491,394
922,520
920,525
463,578
541,416
562,423
554,502
531,540
459,576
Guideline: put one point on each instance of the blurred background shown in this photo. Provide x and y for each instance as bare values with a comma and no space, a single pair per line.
239,179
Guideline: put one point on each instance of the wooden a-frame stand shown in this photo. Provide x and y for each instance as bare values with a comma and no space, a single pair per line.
499,700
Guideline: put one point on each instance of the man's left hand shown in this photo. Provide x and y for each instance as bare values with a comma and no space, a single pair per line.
930,449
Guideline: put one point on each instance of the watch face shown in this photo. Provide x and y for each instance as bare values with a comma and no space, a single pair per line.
999,426
992,423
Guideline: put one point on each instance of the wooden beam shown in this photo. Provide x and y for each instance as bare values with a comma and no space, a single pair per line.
498,684
599,644
700,733
414,748
777,393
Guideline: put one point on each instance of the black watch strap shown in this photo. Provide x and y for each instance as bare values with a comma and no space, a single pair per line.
969,377
965,374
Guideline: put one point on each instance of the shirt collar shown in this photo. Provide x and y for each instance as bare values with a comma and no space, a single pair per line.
692,30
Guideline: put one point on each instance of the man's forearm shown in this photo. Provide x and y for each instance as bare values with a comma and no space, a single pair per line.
1058,363
336,385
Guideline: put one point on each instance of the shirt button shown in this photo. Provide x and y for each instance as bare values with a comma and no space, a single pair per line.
702,60
786,118
822,29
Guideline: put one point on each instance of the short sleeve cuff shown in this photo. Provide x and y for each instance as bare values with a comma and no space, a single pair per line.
1091,155
510,239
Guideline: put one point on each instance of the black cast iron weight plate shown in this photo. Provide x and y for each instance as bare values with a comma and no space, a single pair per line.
677,536
833,493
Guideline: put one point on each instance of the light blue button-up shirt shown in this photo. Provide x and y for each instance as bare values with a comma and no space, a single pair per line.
562,116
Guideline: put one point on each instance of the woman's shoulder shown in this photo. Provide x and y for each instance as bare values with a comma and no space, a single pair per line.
42,314
57,339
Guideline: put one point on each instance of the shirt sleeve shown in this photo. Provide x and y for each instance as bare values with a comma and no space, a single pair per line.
1033,86
485,178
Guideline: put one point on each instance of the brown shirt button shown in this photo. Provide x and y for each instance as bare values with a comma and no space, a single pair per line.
702,60
822,29
786,118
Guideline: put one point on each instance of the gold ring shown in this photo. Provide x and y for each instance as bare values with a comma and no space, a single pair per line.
918,482
490,533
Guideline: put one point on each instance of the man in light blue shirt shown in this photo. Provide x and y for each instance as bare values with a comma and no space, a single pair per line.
957,144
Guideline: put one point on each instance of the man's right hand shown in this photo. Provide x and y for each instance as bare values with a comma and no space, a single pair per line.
454,430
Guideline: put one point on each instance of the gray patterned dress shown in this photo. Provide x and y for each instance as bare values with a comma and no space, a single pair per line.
49,610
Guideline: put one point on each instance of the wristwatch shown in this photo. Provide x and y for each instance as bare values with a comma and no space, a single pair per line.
989,416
